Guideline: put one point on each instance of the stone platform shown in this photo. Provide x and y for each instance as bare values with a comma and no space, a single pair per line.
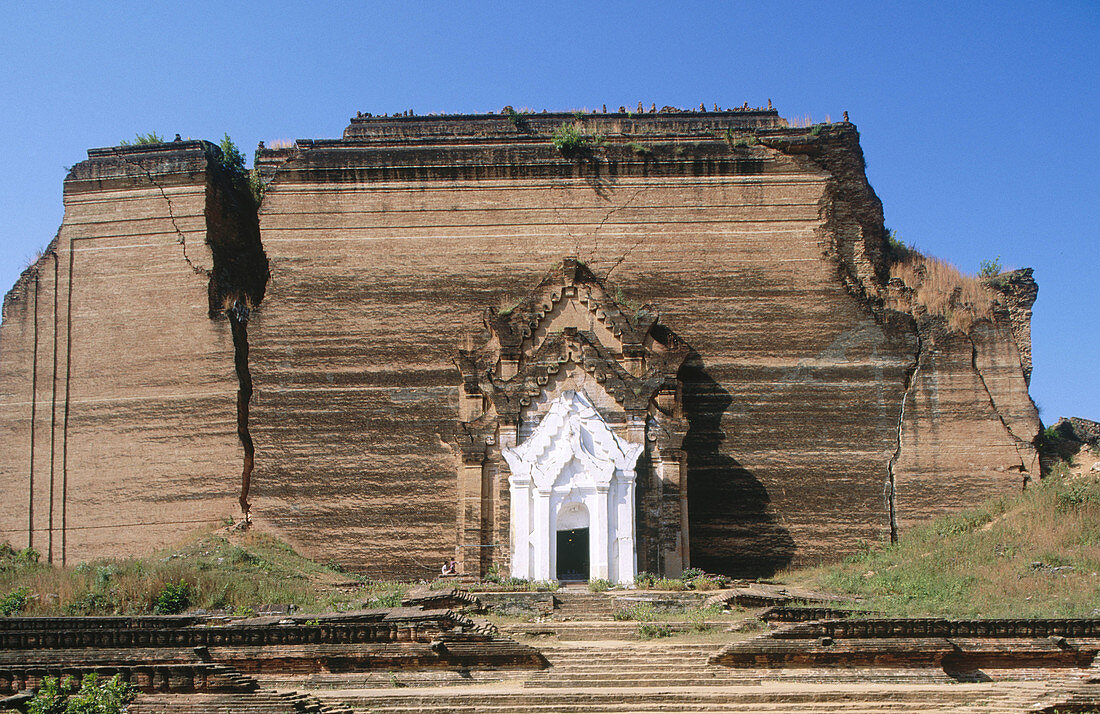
198,665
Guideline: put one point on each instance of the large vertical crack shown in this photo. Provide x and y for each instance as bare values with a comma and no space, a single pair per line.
1016,440
891,483
237,278
238,315
237,285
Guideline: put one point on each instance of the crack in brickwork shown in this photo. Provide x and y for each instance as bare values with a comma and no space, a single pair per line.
1016,440
623,257
607,217
238,316
182,240
891,482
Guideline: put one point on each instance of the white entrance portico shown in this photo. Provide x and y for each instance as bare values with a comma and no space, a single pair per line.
561,395
573,474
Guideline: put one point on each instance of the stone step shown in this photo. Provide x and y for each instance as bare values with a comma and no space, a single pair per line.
628,630
848,707
395,679
264,702
672,698
852,707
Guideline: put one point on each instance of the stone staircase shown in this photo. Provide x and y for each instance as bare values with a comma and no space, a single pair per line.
1075,692
264,702
670,676
582,615
661,664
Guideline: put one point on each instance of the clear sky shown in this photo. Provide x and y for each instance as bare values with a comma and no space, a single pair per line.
978,119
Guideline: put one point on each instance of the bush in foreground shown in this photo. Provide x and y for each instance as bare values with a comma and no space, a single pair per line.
94,696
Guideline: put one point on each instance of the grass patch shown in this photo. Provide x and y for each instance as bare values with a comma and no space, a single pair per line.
940,287
653,630
213,571
637,611
1032,555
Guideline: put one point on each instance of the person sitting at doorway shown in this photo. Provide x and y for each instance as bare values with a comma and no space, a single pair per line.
450,567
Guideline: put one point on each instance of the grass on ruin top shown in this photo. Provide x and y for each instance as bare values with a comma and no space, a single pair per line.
1036,554
234,572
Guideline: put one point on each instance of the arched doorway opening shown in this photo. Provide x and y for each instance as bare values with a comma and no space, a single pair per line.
573,559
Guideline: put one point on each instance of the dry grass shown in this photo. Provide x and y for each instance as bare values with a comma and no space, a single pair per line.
235,572
942,289
1032,555
800,122
280,144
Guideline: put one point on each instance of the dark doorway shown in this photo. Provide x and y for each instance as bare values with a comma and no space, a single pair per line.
573,554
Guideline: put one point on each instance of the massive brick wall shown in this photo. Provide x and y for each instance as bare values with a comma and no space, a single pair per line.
969,423
381,262
761,246
134,401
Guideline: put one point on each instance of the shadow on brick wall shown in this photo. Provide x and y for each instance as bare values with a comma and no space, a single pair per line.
732,530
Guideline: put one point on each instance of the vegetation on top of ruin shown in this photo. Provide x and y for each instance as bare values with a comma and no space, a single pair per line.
1035,554
231,162
572,141
140,139
942,289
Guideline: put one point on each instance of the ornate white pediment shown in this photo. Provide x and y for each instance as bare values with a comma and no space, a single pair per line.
538,380
572,430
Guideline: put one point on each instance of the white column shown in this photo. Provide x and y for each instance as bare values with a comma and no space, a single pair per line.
628,555
598,528
540,568
521,527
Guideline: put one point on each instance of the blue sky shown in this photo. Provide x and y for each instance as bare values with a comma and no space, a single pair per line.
978,119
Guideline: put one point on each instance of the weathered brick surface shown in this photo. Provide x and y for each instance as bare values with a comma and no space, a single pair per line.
134,425
386,247
374,282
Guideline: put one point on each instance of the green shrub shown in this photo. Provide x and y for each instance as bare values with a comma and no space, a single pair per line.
897,250
990,268
599,585
232,159
690,574
173,599
141,139
653,630
51,696
571,141
518,120
638,611
959,523
698,620
91,603
14,602
1074,493
644,580
639,149
706,582
94,697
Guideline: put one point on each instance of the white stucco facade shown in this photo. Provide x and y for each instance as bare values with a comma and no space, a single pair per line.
572,472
